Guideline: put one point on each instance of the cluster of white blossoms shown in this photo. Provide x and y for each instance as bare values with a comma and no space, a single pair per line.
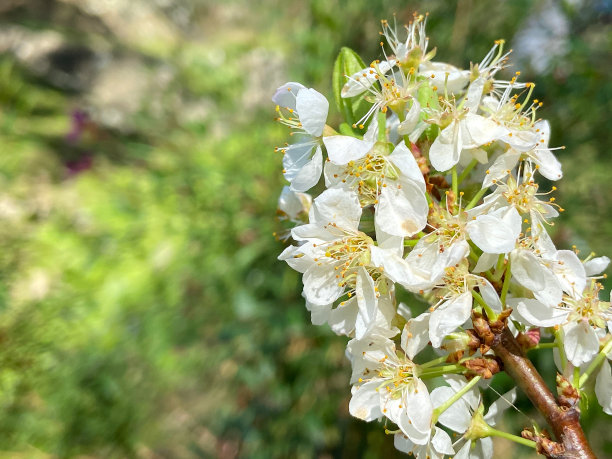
429,187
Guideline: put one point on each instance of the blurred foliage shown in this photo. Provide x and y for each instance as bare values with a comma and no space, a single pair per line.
143,312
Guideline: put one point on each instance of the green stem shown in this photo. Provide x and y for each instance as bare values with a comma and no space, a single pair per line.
506,284
559,343
576,382
467,171
441,371
382,127
491,315
433,362
456,396
476,198
455,183
601,356
508,436
500,268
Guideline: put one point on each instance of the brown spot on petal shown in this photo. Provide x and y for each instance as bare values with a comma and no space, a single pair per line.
409,227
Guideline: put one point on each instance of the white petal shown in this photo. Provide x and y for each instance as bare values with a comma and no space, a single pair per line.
398,270
549,165
603,388
442,442
419,407
402,208
295,157
448,316
497,408
366,299
484,448
318,313
479,130
445,150
309,174
538,314
293,204
485,262
570,272
320,284
474,93
581,342
403,158
296,258
457,417
489,294
404,423
472,397
312,109
502,166
415,335
342,149
464,452
365,402
413,116
445,76
342,319
403,443
521,140
336,206
496,232
596,266
285,95
528,271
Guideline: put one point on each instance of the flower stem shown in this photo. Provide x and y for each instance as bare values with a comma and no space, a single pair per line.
500,268
433,362
559,343
476,198
467,171
491,315
456,396
523,441
506,284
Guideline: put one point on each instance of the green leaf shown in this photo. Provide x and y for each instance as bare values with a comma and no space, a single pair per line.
348,62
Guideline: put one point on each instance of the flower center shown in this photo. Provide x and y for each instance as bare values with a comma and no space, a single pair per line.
367,174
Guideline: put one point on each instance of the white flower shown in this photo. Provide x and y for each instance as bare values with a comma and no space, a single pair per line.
335,259
595,266
293,205
445,77
465,416
412,51
306,112
496,232
438,446
387,384
583,317
393,183
461,129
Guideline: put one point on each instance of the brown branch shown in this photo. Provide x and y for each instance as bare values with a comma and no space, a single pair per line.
564,421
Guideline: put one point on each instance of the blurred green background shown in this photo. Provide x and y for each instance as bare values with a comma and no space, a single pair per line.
142,309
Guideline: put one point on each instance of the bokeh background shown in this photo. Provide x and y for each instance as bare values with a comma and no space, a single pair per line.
142,309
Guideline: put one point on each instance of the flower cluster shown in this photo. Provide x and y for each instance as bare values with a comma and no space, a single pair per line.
429,188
